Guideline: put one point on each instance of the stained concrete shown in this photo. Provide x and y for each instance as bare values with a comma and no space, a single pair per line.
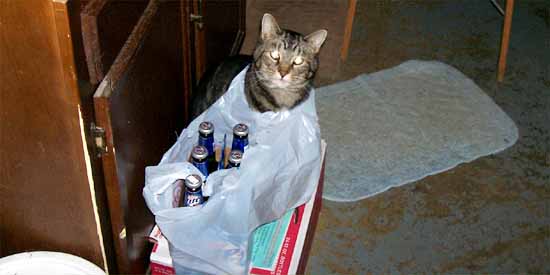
491,215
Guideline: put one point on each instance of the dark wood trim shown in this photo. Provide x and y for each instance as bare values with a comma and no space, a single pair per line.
133,43
239,37
114,199
92,47
102,111
140,105
186,55
238,42
200,41
317,206
62,25
106,25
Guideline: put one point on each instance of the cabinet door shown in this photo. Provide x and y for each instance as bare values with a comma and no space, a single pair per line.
106,24
218,30
45,191
141,105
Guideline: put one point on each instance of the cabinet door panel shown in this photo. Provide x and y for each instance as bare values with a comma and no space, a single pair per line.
106,24
45,193
141,105
221,33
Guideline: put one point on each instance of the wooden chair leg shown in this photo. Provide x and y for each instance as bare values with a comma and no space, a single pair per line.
347,30
505,39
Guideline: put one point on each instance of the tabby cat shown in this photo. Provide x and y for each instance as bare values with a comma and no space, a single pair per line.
281,72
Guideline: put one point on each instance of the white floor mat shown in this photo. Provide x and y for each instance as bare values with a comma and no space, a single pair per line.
402,124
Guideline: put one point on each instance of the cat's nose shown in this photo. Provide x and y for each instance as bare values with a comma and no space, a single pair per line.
283,72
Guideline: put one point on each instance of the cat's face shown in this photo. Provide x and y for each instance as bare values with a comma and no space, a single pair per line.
285,59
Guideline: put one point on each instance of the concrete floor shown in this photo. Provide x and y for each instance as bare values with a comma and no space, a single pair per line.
491,215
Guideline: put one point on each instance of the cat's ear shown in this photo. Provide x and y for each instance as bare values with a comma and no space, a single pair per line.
316,39
270,28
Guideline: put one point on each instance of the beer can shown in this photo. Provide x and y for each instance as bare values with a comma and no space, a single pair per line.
193,191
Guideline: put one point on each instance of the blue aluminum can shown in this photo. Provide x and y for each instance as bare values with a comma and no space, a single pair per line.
240,137
199,159
193,191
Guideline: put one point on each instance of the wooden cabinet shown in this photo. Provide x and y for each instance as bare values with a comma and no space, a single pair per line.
216,22
92,92
106,25
140,106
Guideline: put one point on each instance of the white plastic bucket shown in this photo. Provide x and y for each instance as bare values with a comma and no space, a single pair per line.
44,262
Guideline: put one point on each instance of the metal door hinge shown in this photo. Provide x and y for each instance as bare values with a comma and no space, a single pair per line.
98,134
197,19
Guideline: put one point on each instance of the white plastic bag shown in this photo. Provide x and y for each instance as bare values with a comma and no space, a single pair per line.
279,171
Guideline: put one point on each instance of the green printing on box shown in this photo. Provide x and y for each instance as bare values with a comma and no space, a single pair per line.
267,240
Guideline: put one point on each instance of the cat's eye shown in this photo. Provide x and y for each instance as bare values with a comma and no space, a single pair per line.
298,60
275,55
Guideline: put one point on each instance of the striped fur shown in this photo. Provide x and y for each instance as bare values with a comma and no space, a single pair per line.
271,84
279,83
